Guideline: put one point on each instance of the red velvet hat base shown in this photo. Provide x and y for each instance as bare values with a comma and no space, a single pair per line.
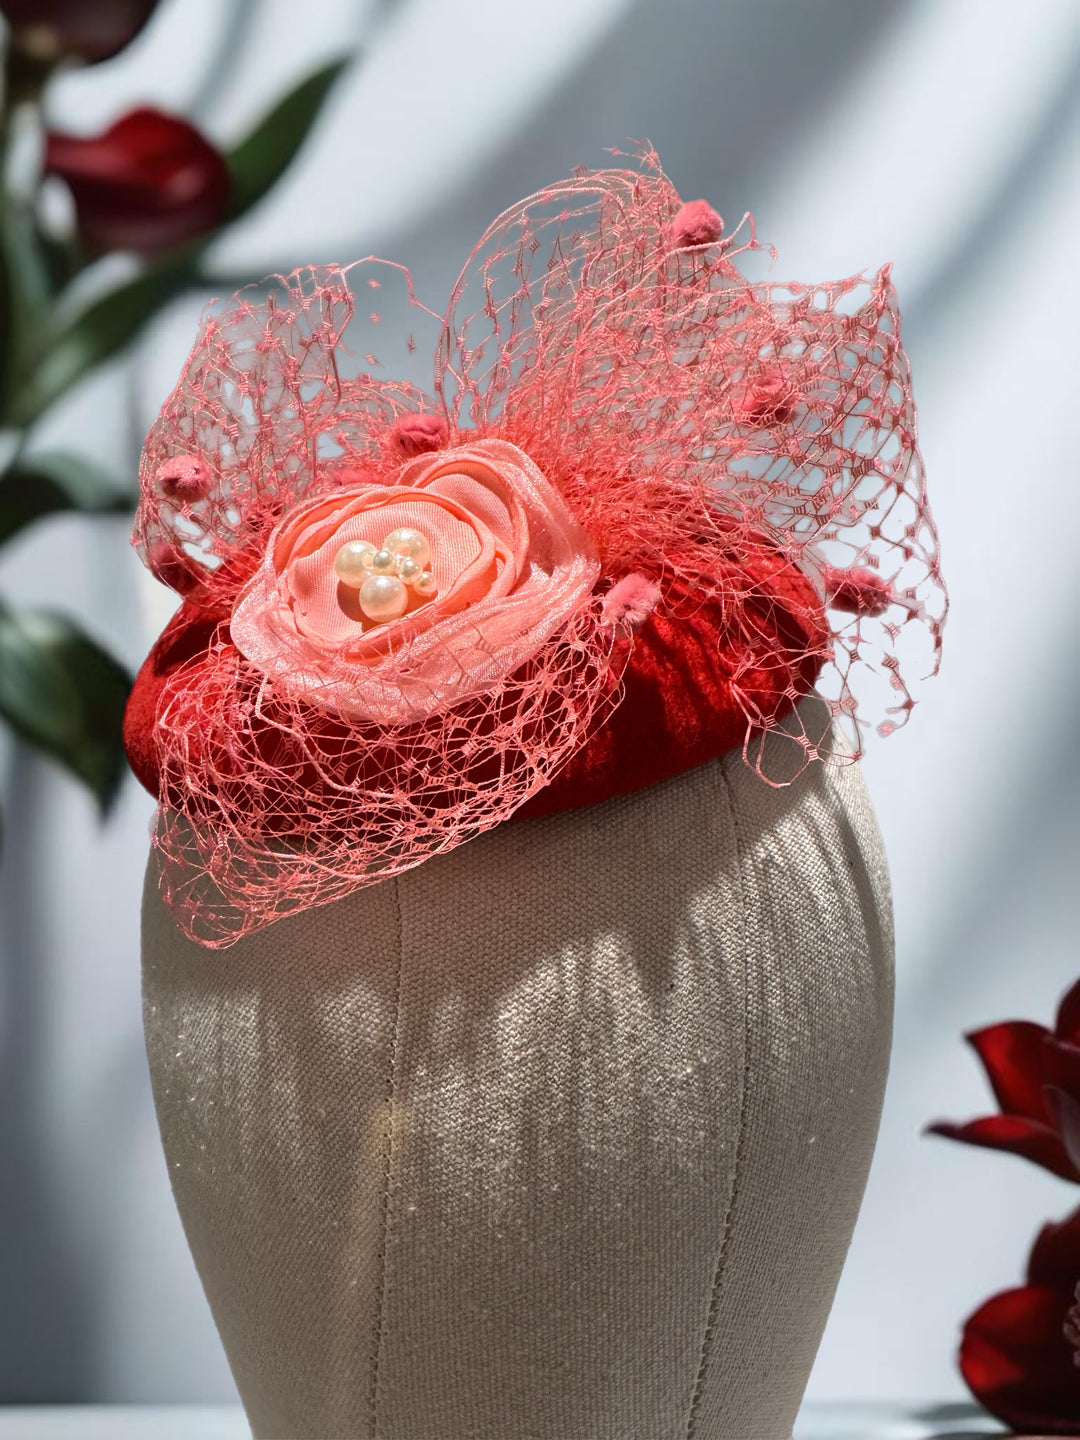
695,686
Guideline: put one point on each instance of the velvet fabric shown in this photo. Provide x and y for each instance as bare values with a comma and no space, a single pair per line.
691,688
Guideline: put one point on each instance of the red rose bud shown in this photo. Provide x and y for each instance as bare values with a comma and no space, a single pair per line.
1035,1077
46,31
1017,1350
150,182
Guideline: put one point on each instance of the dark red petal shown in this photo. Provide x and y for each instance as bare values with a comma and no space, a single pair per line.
1018,1364
1067,1025
1055,1257
1012,1056
90,30
1065,1111
154,140
1061,1064
1072,1324
1015,1134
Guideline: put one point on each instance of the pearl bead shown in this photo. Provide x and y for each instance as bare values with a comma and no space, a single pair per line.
406,541
407,569
382,562
424,584
383,597
351,563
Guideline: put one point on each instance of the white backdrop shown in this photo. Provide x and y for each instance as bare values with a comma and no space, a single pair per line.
941,134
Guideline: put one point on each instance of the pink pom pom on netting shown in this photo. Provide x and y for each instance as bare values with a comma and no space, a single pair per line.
630,602
417,434
697,223
679,410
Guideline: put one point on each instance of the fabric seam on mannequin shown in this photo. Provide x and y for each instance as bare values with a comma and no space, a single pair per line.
721,1259
388,1151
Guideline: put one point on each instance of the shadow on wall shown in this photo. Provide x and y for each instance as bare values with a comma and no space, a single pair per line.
46,1319
720,88
721,91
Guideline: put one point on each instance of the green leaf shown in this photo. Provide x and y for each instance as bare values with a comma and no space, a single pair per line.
101,332
260,160
62,258
55,481
24,291
64,695
114,320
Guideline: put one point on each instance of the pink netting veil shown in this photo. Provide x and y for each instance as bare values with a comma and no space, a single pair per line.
618,421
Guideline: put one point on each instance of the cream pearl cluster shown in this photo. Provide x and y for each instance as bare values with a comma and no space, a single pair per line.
384,574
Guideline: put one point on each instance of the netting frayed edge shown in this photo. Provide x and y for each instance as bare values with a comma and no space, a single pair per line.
269,809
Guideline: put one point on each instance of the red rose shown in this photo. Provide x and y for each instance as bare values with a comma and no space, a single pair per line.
1016,1355
1035,1076
150,182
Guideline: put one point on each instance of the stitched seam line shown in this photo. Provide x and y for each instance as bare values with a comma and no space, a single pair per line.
721,1262
388,1156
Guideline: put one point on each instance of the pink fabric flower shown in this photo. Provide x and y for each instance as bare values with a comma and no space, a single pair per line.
511,566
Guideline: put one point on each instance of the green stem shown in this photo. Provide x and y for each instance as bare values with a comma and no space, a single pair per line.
25,292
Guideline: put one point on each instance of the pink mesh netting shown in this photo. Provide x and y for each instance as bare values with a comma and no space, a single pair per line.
680,418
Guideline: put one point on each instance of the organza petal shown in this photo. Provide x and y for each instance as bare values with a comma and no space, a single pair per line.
466,559
495,613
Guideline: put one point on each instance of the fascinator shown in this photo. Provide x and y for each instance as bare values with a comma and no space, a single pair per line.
645,507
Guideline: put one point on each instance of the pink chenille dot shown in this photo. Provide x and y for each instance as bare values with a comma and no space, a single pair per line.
416,434
630,601
697,223
769,400
183,477
860,592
